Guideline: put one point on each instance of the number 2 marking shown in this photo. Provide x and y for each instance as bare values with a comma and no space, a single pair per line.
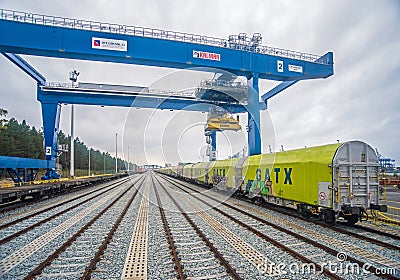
280,65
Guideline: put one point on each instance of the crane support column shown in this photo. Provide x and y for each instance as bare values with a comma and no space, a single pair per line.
51,120
213,145
254,138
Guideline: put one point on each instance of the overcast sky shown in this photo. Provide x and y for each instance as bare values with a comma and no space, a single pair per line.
360,101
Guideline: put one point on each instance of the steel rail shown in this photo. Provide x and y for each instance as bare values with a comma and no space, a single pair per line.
52,217
229,269
6,207
178,267
289,212
93,262
329,250
3,226
38,270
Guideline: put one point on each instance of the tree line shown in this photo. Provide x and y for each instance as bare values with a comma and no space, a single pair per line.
18,139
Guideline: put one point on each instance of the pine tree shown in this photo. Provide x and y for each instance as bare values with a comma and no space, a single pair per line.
21,140
3,113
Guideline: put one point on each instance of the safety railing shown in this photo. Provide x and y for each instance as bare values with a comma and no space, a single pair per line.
154,33
391,217
223,83
6,184
186,93
61,85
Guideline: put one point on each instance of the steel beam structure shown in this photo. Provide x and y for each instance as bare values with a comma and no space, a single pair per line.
23,169
253,118
281,87
74,96
51,119
65,38
16,162
213,137
26,67
284,85
48,36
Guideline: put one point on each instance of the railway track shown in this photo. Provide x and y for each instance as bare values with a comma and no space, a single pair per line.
358,231
80,232
354,254
380,235
33,209
262,262
52,194
393,233
26,223
193,253
152,228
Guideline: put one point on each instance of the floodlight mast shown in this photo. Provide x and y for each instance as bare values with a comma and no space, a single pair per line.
73,77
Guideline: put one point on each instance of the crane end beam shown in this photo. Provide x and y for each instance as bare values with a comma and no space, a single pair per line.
26,67
325,59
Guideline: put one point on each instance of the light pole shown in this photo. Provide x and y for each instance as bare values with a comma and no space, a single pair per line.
73,77
134,164
128,158
104,163
116,152
72,160
89,162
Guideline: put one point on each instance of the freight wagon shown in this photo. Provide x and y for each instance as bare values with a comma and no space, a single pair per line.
332,181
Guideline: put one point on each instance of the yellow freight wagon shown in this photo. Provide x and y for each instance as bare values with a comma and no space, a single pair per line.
223,174
199,172
187,170
336,179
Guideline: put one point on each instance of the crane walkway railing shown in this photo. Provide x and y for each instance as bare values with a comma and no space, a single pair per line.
155,33
112,89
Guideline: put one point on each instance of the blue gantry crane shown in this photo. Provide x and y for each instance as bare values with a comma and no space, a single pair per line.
49,36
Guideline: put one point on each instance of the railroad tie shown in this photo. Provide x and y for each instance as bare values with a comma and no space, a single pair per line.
242,247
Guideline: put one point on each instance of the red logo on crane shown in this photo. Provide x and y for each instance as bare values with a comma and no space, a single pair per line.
207,55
